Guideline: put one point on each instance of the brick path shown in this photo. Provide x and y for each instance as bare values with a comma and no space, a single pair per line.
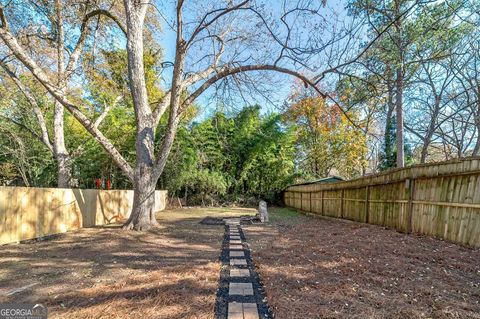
240,295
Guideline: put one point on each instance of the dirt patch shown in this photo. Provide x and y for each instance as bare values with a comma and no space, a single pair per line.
321,268
169,272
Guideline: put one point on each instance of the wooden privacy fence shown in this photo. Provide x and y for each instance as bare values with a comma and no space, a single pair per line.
28,212
439,199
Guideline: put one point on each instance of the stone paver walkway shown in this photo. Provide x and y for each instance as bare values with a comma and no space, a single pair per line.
240,295
237,254
240,288
238,310
239,272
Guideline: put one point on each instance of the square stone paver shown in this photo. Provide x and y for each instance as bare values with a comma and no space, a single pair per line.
235,241
239,273
235,247
232,222
240,288
237,254
235,310
238,310
250,311
238,262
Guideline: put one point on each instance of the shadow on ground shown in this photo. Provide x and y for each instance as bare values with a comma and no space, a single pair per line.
169,272
326,268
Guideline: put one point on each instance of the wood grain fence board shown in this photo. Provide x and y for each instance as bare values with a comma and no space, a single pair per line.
439,199
27,212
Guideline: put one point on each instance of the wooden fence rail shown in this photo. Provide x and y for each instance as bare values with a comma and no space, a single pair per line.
28,212
439,199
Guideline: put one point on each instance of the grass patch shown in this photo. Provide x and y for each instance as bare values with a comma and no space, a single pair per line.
202,212
284,215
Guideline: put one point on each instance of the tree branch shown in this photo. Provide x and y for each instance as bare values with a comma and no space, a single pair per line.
107,108
42,77
83,35
44,138
203,25
320,76
161,108
29,130
227,71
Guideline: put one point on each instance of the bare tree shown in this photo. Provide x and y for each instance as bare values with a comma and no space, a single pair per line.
468,70
210,48
430,100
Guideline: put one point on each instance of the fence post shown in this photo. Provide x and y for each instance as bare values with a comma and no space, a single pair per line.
310,209
341,203
321,203
301,200
367,205
411,198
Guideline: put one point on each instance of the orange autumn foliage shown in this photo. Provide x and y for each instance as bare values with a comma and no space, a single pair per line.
328,143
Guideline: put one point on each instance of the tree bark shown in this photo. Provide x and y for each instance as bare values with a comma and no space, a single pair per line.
476,149
399,90
389,149
399,118
430,130
142,216
64,170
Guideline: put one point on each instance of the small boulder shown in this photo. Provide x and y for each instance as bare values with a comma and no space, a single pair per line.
262,211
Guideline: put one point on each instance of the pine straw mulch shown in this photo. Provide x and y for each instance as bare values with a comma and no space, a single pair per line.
169,272
325,268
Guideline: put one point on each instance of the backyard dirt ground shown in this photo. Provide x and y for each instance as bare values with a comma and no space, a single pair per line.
311,268
324,268
170,272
